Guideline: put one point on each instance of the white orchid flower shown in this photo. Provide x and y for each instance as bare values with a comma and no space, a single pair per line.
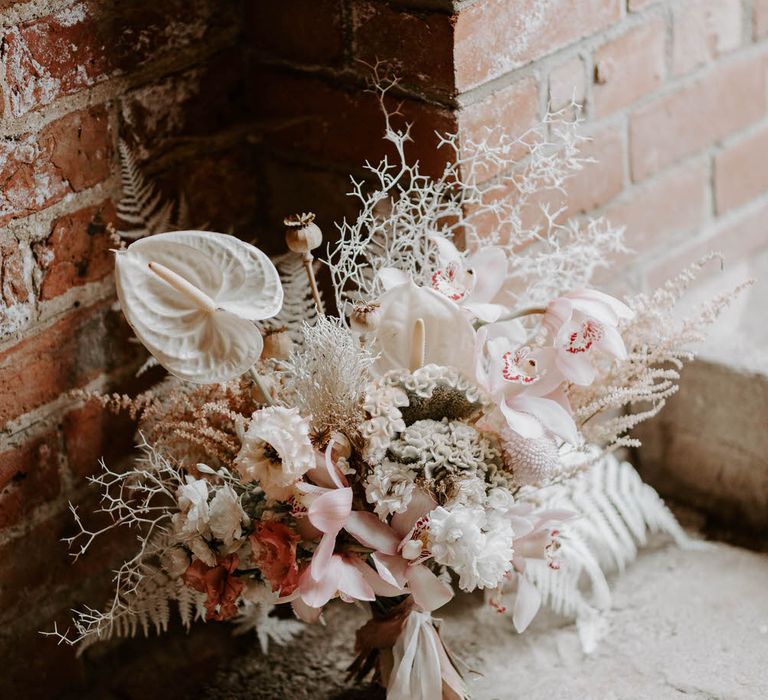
191,297
470,281
582,324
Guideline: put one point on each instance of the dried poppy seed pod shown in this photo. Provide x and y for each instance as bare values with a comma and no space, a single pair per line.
302,234
277,344
365,317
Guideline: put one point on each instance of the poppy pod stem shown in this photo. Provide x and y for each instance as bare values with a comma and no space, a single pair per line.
418,345
308,259
302,236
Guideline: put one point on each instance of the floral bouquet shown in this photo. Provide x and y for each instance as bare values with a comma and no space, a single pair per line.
449,427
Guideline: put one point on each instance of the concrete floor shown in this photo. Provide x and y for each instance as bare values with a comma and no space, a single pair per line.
690,624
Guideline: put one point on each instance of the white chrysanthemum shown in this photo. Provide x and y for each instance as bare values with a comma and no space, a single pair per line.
470,491
276,450
226,516
460,537
499,500
193,515
389,487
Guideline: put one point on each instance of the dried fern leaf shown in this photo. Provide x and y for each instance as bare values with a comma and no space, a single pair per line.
141,208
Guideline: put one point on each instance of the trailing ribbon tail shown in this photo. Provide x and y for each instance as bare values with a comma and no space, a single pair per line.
422,669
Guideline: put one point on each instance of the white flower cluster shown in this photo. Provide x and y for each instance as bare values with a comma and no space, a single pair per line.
202,518
389,487
473,540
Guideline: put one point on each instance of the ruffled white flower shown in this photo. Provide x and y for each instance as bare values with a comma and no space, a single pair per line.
382,403
499,500
276,450
226,516
480,552
389,488
470,491
193,515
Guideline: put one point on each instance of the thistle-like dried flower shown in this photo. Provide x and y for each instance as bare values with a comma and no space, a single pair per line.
326,377
302,234
531,460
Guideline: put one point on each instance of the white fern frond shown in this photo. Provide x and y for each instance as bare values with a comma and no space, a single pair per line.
141,208
617,512
298,304
255,617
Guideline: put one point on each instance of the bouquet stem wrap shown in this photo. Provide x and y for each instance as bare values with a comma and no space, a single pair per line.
412,661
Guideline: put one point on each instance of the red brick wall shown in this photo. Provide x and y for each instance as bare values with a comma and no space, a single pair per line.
170,77
255,109
674,95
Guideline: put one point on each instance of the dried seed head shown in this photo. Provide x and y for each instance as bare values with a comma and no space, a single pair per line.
302,234
365,317
531,460
277,344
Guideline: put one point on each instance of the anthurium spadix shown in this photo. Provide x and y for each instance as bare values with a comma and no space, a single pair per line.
192,298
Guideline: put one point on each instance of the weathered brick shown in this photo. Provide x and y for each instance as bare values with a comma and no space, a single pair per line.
29,477
41,65
496,36
74,350
664,208
598,182
703,30
567,83
197,102
741,171
417,47
77,251
68,155
760,19
513,110
304,31
220,187
319,120
629,66
739,239
16,294
726,99
93,432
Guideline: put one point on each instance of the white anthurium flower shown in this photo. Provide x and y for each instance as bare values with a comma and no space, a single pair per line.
418,326
191,297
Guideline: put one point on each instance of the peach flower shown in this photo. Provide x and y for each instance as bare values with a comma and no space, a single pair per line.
222,589
274,553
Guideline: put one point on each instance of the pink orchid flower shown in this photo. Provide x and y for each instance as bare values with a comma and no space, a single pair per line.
524,382
581,324
404,568
328,504
472,281
535,538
